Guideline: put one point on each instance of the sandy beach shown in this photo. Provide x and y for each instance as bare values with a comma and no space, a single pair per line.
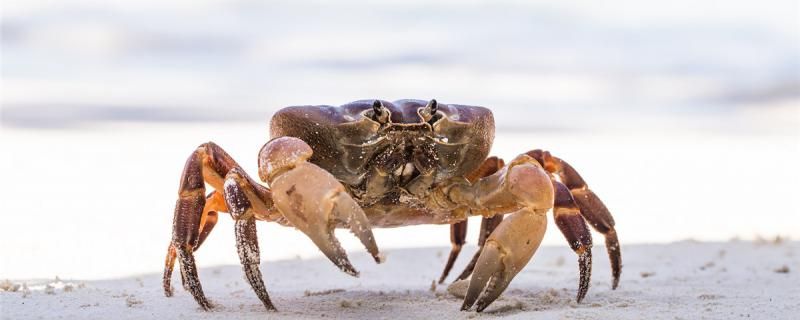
682,280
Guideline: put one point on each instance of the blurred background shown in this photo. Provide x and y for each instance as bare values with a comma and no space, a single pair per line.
684,116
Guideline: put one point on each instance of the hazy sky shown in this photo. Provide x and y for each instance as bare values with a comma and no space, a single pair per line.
240,60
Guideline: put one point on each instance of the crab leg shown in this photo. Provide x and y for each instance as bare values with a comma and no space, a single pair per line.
196,215
591,208
208,219
215,203
238,195
458,231
313,200
186,230
573,227
525,189
458,237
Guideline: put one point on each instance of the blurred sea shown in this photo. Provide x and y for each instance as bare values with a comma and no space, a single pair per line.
540,65
684,116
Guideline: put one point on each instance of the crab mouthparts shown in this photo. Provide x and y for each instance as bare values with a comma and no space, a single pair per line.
405,173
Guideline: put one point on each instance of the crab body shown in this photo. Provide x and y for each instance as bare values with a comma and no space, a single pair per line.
374,163
390,167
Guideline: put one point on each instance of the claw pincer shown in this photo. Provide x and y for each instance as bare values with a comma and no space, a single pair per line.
506,252
314,201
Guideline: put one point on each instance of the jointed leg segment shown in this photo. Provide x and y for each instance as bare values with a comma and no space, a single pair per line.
196,214
306,196
241,209
589,205
573,227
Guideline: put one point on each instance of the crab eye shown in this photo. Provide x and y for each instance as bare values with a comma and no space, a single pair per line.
429,112
433,106
379,112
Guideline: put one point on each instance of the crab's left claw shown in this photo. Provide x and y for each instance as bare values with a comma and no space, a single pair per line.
313,200
525,185
507,250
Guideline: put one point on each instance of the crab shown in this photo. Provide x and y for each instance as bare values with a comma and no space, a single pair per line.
375,163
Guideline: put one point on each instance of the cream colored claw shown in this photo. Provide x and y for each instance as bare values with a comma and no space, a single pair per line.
507,250
315,203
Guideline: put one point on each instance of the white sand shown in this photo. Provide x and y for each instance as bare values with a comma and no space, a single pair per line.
684,280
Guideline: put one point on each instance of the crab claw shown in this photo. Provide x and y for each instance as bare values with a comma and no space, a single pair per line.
507,250
313,200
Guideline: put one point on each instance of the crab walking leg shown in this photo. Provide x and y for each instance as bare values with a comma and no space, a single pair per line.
313,200
240,198
194,216
598,216
524,188
186,229
214,203
458,237
573,227
458,231
591,208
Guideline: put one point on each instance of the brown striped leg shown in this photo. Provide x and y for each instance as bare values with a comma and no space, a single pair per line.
591,208
570,222
207,164
458,236
241,208
598,216
214,203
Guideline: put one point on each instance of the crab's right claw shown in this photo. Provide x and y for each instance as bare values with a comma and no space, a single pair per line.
507,250
313,200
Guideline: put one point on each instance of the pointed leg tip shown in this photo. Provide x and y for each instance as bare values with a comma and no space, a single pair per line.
205,305
270,307
347,268
351,271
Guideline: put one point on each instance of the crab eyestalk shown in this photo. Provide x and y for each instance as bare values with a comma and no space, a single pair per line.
379,112
429,111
